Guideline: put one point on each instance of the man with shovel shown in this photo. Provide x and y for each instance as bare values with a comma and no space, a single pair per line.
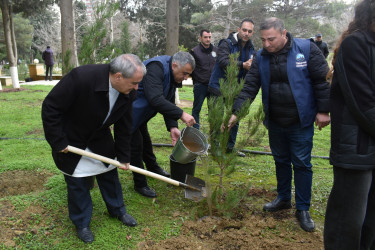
156,94
78,112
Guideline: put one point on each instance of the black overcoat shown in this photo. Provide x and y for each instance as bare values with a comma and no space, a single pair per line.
73,114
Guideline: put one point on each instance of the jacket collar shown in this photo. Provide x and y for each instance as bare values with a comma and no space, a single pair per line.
102,82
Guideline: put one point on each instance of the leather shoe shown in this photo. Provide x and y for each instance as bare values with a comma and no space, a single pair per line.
146,191
276,205
305,220
85,234
128,220
159,170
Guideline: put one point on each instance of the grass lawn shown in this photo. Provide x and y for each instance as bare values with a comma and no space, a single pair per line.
23,148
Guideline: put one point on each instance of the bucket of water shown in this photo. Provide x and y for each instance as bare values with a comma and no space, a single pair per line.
179,170
190,144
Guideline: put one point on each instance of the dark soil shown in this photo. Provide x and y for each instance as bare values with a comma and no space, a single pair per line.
251,228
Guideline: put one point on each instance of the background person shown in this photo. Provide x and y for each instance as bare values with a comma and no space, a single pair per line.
350,214
321,45
205,56
240,42
156,94
294,94
79,111
47,56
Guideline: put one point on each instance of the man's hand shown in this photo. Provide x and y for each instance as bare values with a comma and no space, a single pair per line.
246,65
175,134
125,166
187,119
232,121
65,150
322,120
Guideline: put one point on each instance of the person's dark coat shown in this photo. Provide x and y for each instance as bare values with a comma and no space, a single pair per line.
281,108
204,62
323,47
73,114
226,47
47,56
351,146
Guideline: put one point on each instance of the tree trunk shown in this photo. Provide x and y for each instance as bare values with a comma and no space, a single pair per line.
172,32
68,36
10,41
229,18
172,26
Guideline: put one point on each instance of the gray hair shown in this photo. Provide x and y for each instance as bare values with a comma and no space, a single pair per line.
183,58
272,22
127,65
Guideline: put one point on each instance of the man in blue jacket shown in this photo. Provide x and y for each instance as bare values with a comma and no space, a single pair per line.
295,93
237,42
156,94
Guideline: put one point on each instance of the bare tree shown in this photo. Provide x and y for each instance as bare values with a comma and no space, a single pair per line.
68,37
10,40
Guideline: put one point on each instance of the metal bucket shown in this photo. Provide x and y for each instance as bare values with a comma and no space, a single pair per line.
190,144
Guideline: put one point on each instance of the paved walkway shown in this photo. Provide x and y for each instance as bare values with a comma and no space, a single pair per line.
53,82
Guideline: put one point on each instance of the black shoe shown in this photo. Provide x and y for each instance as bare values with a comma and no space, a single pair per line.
85,234
128,220
276,205
146,191
159,170
305,220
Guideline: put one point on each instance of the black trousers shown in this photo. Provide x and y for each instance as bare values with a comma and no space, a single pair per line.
350,216
79,198
141,151
49,68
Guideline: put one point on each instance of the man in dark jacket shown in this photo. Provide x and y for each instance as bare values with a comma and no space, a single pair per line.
79,111
47,56
291,73
237,42
156,94
321,45
205,56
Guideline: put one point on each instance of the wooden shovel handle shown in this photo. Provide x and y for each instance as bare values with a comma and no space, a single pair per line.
116,163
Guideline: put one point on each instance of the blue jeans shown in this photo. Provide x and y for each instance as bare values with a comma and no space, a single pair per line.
350,216
293,145
200,93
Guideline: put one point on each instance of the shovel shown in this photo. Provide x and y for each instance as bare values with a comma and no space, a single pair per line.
195,188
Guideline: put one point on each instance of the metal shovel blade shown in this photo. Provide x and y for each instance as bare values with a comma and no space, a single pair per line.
196,183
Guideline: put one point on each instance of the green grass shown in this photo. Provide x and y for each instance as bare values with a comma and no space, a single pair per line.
158,219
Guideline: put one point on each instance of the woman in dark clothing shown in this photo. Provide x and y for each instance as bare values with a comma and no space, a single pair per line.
350,215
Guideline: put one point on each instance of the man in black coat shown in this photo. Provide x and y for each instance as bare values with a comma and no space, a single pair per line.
79,111
321,45
205,56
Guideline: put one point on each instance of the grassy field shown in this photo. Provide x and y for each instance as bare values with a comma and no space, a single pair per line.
22,147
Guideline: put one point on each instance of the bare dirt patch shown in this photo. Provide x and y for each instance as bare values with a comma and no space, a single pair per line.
21,182
251,228
14,223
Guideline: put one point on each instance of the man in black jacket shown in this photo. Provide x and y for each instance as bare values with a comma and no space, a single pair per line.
291,73
156,94
321,45
79,111
205,56
237,42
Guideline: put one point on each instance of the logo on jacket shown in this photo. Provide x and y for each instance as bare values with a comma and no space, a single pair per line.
213,54
300,61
